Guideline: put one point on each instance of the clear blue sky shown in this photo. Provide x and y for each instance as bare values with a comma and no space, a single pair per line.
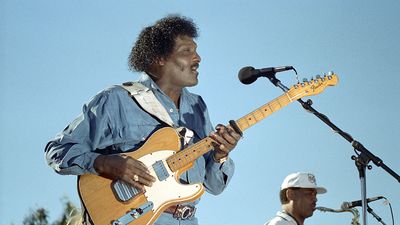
55,55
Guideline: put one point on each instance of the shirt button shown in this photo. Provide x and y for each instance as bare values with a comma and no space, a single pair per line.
171,110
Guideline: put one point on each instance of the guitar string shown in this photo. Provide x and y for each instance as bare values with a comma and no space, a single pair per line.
258,114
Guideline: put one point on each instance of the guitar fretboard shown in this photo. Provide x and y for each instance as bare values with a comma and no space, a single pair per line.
190,154
261,113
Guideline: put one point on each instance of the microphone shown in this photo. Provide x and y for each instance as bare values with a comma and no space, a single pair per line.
348,205
248,74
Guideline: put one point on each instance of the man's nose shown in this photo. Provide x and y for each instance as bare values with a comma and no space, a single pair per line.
197,57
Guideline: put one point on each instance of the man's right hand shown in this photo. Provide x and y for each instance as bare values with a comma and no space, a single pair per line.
124,168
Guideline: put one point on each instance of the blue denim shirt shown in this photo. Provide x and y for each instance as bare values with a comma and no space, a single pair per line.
111,122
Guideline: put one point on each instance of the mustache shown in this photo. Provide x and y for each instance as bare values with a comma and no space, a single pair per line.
196,65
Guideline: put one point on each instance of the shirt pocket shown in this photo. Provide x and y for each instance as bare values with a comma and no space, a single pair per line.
135,132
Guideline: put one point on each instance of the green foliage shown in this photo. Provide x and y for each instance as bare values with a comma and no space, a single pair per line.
40,215
37,217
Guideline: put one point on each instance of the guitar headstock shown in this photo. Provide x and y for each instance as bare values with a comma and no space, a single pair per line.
312,87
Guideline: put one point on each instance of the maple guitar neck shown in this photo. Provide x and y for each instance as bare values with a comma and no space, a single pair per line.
263,112
183,158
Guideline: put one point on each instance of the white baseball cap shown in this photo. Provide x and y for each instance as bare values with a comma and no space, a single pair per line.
302,180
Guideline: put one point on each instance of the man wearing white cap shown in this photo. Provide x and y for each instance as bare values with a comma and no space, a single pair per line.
298,197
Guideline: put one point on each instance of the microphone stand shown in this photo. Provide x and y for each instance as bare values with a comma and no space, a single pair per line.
375,215
363,155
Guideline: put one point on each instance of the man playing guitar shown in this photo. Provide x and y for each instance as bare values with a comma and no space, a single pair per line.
113,123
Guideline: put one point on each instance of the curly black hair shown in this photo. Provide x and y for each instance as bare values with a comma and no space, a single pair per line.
157,41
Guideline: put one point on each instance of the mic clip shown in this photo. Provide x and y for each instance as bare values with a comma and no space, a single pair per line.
275,81
271,77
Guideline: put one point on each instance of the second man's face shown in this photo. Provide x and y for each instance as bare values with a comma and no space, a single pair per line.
305,202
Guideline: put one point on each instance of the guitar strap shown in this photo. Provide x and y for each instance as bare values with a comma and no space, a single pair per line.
148,101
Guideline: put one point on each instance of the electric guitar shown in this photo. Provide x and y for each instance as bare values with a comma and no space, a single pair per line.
117,203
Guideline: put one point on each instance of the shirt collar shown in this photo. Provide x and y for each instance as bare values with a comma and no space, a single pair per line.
287,217
146,80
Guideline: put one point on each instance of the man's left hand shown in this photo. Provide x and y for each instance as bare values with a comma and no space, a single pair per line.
225,138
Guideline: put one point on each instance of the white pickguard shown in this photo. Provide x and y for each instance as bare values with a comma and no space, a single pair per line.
169,190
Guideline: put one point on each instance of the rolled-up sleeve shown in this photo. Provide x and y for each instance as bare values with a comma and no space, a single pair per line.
72,151
218,175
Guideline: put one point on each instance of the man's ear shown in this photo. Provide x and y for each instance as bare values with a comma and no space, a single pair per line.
290,194
160,61
156,65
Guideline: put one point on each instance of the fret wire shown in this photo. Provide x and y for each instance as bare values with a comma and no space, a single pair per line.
246,120
274,104
278,102
198,149
241,124
260,114
263,112
271,107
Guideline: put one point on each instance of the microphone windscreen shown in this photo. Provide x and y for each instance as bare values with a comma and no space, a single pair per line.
345,205
246,75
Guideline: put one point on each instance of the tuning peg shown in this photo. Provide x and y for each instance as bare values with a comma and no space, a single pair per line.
305,80
330,73
318,76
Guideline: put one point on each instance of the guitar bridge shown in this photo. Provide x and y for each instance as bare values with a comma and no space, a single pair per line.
133,214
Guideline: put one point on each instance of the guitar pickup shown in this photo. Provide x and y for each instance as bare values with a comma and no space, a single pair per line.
160,170
123,191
